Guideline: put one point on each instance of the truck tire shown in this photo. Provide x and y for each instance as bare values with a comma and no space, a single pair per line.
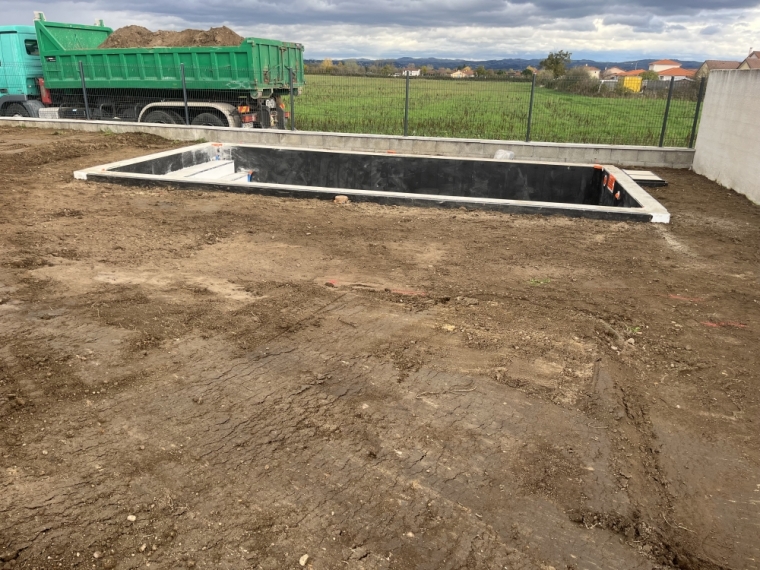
33,106
162,118
209,120
16,110
265,117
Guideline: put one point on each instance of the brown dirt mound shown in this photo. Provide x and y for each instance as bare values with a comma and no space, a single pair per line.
137,36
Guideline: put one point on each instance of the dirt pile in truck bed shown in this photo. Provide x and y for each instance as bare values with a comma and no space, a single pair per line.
139,37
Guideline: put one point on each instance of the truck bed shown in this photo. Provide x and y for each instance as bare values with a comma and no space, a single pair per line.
256,65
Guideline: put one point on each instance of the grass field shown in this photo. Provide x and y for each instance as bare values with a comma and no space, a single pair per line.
487,110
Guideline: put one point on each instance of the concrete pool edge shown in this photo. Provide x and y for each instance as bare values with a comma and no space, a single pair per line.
650,210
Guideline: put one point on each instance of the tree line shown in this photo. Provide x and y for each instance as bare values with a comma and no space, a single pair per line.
388,68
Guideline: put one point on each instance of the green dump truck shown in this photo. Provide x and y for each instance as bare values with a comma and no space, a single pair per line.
59,70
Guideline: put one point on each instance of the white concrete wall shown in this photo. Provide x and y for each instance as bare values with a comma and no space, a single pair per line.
728,143
621,155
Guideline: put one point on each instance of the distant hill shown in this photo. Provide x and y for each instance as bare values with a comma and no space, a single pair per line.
515,63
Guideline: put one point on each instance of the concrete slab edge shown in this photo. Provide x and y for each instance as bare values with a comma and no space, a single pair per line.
659,214
624,155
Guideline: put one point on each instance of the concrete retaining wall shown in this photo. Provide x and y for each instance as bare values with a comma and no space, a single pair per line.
728,145
637,156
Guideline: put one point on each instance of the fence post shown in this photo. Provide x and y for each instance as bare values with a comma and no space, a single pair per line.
530,107
406,106
700,96
292,103
184,92
667,110
84,91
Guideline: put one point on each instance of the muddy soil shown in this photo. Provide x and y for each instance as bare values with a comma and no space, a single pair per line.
197,380
140,37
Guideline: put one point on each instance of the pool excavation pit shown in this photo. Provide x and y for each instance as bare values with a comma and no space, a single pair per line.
514,186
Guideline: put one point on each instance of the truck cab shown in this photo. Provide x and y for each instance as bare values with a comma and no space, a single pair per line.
20,69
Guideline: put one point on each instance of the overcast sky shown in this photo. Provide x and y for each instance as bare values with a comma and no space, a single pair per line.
475,29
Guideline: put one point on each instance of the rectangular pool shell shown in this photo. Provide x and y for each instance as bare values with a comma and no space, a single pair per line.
514,186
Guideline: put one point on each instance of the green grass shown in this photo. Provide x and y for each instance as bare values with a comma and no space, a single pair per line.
486,110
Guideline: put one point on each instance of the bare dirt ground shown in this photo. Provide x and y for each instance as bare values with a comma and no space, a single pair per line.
212,380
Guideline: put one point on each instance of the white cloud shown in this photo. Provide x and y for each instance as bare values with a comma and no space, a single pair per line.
474,29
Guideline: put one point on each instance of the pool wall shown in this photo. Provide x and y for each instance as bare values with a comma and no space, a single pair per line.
511,186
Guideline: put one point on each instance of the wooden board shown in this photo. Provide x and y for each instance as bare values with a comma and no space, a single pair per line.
645,178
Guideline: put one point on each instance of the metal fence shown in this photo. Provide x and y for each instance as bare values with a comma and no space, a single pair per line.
573,109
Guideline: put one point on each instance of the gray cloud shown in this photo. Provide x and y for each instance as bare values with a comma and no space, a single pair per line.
711,30
482,29
445,13
638,22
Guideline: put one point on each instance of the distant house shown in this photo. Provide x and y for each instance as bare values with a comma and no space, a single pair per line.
632,73
705,69
592,71
463,73
750,64
617,73
663,65
677,73
612,72
752,61
667,68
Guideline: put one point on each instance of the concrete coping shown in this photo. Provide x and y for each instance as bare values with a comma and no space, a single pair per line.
650,210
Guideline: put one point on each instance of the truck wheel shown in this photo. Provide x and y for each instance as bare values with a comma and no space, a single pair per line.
265,117
16,110
162,118
33,106
209,120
